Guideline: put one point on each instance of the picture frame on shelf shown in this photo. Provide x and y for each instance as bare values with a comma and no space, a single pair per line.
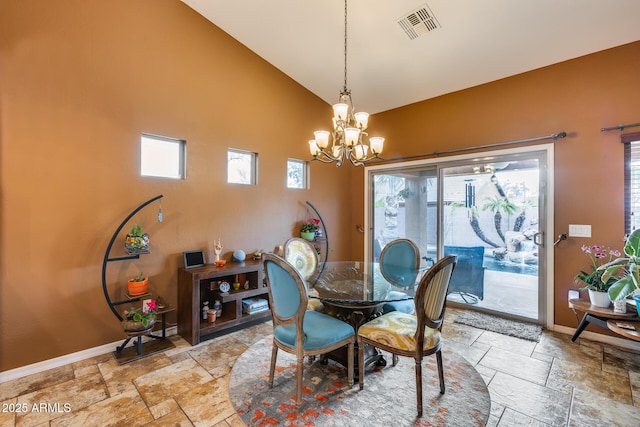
194,259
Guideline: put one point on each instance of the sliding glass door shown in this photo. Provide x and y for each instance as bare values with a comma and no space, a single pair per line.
489,211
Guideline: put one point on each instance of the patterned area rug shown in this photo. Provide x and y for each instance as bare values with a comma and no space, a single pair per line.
527,331
388,398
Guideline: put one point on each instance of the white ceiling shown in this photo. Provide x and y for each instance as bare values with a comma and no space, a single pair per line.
478,41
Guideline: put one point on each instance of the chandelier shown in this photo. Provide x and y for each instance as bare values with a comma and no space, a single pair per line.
349,129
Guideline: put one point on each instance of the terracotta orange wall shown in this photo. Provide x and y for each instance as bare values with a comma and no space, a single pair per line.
579,96
79,81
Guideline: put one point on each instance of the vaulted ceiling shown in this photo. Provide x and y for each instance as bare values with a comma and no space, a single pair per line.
458,43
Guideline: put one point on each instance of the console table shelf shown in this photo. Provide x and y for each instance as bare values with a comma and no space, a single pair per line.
200,284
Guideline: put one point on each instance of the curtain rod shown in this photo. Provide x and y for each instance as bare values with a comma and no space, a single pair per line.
619,127
477,147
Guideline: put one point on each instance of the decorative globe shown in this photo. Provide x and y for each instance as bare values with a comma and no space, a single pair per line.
239,255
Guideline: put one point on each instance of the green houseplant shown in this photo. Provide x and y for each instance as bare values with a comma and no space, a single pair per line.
136,241
138,285
625,272
309,229
137,319
593,280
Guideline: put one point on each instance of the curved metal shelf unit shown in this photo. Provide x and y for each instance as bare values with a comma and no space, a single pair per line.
107,259
324,252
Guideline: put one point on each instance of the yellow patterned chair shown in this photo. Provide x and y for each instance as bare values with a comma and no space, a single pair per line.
409,335
304,258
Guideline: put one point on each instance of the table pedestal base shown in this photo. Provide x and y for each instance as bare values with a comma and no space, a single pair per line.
355,316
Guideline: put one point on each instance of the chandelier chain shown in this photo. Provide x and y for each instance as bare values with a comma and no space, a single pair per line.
344,89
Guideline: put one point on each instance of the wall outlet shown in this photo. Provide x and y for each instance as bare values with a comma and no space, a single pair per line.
579,230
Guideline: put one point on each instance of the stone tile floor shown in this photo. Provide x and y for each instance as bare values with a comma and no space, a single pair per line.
550,383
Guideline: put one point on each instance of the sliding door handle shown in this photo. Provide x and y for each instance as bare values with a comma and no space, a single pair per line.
538,239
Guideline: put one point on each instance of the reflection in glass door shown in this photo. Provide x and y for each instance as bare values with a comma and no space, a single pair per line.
485,210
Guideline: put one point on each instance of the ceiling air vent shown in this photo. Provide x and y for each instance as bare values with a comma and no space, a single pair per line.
419,22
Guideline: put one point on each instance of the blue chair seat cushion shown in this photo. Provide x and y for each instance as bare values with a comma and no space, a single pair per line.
405,305
398,330
320,330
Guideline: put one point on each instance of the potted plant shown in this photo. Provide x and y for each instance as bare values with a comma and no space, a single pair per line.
140,319
136,241
625,272
309,229
138,285
594,280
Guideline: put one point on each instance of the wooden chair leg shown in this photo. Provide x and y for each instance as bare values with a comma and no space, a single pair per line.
299,370
360,363
350,364
440,370
419,385
274,355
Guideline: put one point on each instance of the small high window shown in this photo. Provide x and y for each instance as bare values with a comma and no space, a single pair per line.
296,174
242,167
161,156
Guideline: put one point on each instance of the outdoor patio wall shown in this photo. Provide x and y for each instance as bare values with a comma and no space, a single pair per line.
80,81
578,96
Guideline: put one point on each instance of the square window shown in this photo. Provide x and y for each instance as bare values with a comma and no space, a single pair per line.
296,173
241,167
161,156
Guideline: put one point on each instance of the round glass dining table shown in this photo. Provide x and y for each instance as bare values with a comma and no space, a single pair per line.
356,292
357,284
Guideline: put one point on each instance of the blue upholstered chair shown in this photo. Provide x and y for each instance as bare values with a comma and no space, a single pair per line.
410,335
399,255
468,280
297,330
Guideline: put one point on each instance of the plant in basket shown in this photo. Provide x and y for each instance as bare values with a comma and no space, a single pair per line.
138,319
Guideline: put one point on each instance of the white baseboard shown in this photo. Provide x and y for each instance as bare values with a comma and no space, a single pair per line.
34,368
606,339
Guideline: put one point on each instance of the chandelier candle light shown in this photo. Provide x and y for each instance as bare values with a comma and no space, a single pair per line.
348,129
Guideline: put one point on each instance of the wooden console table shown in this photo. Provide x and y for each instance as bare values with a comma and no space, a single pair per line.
598,315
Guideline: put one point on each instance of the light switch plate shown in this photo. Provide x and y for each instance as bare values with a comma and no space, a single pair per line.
579,230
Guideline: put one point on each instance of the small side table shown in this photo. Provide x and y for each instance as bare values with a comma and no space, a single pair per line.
633,334
597,315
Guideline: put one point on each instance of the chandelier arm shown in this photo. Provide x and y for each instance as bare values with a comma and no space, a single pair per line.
325,157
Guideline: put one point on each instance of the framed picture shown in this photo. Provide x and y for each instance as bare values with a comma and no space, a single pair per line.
193,259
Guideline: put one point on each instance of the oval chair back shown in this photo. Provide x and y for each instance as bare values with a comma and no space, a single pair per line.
302,255
399,254
431,296
397,259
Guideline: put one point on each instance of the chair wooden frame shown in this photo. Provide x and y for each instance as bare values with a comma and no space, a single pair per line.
439,268
297,319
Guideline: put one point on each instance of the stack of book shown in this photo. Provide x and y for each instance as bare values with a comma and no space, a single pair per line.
254,305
